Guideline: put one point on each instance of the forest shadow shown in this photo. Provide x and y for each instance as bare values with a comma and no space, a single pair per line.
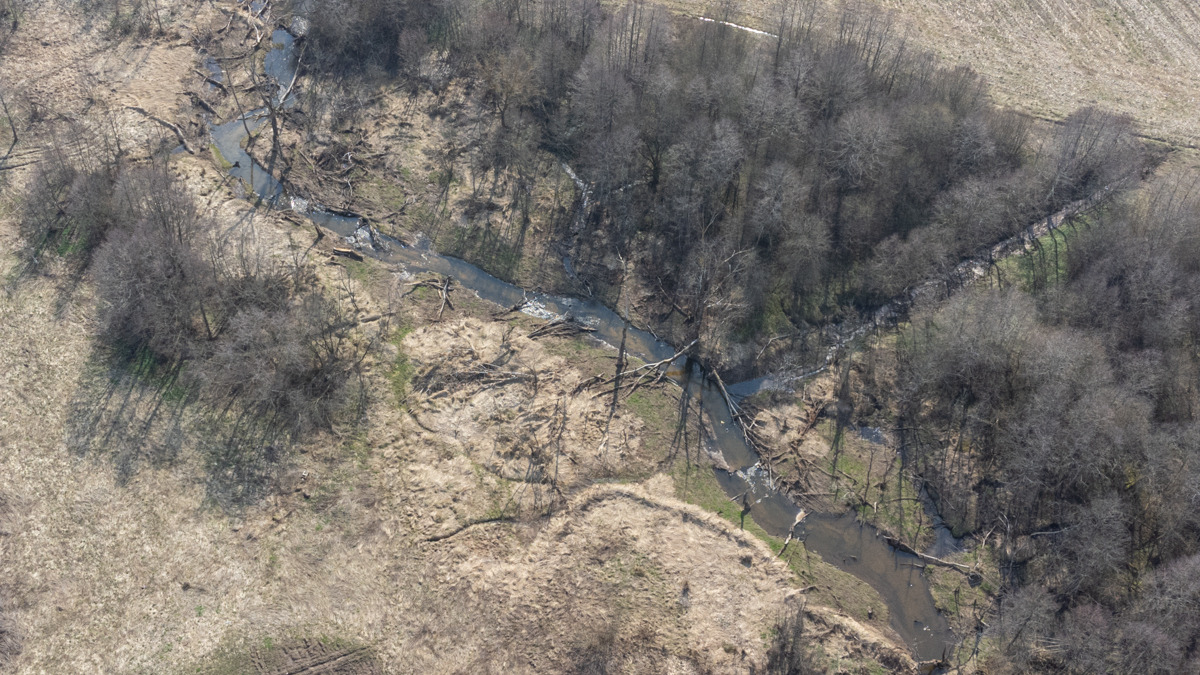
130,408
138,412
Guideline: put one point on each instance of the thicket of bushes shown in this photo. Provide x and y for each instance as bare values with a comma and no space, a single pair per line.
1075,420
246,329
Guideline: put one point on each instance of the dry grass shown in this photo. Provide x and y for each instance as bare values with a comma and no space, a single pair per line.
137,572
1049,57
1139,57
119,554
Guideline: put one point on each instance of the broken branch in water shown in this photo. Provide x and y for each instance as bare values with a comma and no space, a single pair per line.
560,327
209,79
656,364
900,545
643,372
792,530
509,310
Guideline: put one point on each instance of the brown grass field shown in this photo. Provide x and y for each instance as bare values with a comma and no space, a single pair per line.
1049,57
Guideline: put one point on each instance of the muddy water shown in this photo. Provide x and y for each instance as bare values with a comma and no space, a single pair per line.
838,539
859,549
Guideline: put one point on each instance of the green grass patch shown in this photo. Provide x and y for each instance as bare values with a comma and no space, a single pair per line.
439,177
366,272
400,377
219,158
655,408
586,355
1046,265
873,473
499,491
401,373
357,448
70,247
152,371
769,319
485,248
388,194
829,585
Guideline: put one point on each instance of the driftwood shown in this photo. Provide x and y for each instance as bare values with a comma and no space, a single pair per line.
656,369
588,382
656,364
287,91
209,79
348,253
445,289
930,667
561,327
499,314
173,127
204,104
900,545
792,531
812,420
733,407
442,287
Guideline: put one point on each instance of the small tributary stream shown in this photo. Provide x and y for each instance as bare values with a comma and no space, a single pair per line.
839,539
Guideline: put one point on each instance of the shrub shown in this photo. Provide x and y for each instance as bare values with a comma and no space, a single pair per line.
152,278
291,365
70,205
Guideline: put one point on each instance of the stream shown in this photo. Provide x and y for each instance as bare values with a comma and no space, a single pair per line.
837,538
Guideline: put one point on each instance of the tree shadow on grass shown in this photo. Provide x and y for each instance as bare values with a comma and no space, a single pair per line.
140,412
130,407
244,457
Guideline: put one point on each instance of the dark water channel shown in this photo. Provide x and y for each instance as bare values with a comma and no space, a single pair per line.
839,539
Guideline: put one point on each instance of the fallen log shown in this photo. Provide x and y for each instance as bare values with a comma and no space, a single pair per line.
204,104
561,327
792,531
734,410
930,667
900,545
173,127
348,253
656,364
499,314
210,80
445,289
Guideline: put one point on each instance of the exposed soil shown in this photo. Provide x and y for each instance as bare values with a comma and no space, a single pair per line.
314,657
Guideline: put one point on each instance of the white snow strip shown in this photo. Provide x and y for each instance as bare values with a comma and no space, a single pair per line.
739,27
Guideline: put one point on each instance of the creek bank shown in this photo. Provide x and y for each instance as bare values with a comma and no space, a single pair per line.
838,538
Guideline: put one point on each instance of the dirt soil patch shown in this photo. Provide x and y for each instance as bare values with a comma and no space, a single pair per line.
313,657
